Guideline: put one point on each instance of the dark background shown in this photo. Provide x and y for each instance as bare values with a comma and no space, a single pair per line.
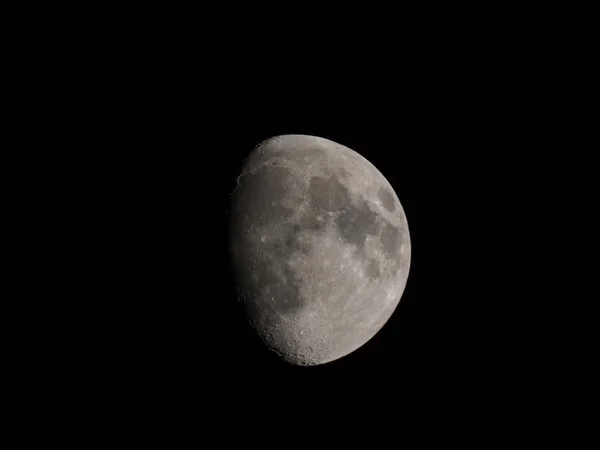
125,330
580,64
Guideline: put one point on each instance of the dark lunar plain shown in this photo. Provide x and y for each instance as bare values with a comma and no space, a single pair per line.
123,329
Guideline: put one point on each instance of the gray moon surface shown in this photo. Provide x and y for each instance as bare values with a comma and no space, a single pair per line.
320,247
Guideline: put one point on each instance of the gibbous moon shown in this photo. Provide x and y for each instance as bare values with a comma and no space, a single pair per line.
320,247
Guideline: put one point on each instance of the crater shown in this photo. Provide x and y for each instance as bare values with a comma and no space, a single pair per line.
328,193
387,199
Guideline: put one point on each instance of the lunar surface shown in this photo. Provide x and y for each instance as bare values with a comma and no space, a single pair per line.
320,247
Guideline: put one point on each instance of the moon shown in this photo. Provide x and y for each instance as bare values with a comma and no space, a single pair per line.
320,247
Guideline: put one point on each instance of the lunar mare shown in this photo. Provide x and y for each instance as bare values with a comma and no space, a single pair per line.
320,247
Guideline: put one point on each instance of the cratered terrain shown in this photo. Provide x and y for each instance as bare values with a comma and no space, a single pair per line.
320,247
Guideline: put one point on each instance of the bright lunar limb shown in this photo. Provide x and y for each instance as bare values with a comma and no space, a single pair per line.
320,247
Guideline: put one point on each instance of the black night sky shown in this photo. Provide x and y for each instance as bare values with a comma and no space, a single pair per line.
134,337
